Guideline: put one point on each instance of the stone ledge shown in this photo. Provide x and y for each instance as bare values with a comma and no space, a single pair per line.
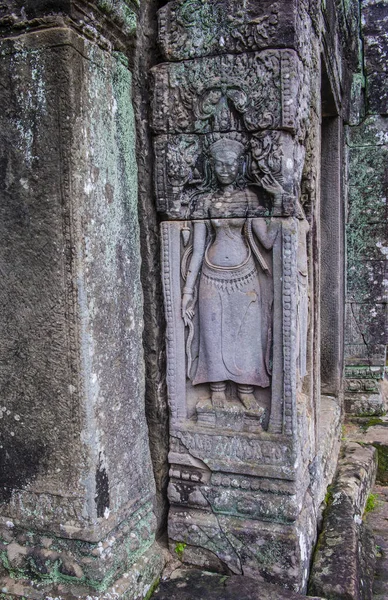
135,584
192,585
344,558
110,23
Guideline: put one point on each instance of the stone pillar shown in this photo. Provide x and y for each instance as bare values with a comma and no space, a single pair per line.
77,483
233,120
367,229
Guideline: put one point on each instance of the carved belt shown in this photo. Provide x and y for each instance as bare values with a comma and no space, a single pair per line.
229,278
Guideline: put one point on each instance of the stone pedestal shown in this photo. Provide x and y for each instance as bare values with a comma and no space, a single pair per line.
77,483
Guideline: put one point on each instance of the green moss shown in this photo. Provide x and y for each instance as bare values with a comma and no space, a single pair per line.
153,587
371,503
179,549
370,423
329,495
382,464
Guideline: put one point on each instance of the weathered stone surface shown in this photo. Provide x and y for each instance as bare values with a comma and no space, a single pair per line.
374,29
374,431
111,23
264,550
332,257
339,567
192,29
154,339
367,403
377,520
322,468
365,334
191,585
367,177
135,584
365,390
261,90
74,453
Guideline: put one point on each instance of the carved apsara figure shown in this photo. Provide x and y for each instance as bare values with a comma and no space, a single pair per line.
235,319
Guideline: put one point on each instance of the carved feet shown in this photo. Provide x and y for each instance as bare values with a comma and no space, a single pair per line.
243,413
248,400
218,394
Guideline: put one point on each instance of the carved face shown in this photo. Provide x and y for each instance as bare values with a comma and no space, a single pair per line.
226,165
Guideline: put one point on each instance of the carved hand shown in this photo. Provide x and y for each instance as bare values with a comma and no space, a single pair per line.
272,186
187,313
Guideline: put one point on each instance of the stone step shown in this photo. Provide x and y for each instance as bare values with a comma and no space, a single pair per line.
187,584
344,560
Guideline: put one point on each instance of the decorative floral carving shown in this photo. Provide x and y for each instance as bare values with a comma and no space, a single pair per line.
246,92
190,28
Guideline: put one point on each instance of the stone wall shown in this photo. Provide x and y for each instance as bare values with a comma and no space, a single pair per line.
366,318
111,199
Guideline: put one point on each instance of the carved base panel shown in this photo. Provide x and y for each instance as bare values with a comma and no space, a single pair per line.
266,551
365,390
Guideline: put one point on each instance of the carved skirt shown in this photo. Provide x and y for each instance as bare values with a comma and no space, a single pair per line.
230,325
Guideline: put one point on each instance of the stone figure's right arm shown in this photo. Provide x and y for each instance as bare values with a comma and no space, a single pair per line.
199,243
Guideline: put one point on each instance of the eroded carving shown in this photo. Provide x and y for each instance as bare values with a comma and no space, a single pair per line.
245,92
190,28
303,291
268,175
222,283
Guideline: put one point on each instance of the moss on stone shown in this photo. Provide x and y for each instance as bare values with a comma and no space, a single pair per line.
382,463
371,503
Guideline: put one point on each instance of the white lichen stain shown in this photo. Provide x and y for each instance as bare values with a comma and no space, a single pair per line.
382,248
357,519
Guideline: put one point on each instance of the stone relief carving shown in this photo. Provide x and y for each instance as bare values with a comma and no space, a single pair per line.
223,285
225,93
267,179
191,28
230,288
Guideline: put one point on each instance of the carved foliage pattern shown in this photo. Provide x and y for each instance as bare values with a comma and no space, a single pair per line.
190,28
225,93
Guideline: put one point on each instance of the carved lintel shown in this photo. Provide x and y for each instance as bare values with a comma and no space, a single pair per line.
191,28
248,92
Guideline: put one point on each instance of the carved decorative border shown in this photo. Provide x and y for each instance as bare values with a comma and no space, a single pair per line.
288,66
176,370
170,318
289,311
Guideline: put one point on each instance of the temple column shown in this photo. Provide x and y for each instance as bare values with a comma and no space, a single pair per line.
77,483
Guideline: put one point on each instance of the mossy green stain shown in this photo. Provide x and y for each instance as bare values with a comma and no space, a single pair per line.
179,549
153,587
371,503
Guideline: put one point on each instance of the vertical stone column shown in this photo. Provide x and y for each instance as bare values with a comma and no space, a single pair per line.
231,120
367,233
77,483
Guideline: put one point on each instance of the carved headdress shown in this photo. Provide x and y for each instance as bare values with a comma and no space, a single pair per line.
233,142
